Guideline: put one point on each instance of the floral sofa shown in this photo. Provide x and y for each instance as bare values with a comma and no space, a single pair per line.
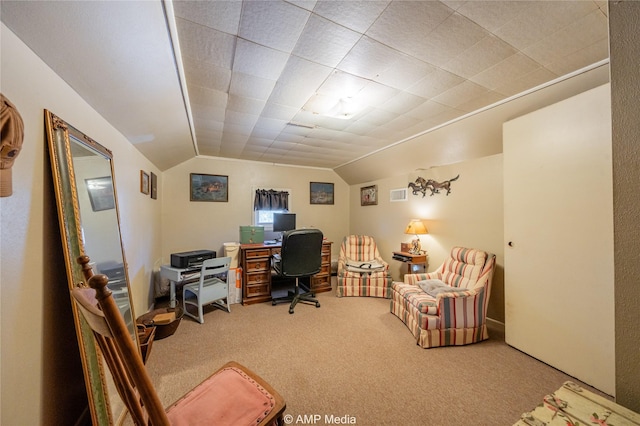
447,306
361,269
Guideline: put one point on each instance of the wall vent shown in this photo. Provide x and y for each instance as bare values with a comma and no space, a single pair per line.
398,195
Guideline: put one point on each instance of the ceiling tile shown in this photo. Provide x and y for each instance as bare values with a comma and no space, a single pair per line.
274,24
487,98
279,111
493,14
357,15
479,57
455,35
245,105
304,74
250,86
525,82
324,42
291,95
463,92
509,69
218,15
404,25
540,19
435,83
402,103
368,58
580,34
199,73
404,72
205,44
581,58
253,59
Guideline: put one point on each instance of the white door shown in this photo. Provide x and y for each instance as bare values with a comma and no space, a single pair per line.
558,215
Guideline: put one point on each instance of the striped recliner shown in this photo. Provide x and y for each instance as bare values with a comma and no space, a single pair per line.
449,318
362,248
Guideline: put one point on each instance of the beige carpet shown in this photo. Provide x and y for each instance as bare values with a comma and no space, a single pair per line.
354,360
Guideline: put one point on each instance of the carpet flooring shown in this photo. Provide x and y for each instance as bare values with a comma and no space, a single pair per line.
353,362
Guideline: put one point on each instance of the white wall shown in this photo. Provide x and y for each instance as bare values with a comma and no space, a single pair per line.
39,354
470,216
191,225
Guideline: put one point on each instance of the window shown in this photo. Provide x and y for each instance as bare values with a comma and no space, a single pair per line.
265,218
266,203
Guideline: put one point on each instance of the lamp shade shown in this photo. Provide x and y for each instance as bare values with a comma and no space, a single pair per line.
416,227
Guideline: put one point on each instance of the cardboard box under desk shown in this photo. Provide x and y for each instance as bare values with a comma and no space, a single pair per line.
251,234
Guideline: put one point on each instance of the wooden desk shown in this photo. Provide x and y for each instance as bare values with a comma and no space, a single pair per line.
255,261
412,261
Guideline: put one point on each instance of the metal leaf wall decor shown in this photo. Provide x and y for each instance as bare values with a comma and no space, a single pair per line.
421,185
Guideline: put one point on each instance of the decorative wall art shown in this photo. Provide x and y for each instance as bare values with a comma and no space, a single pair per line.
154,186
209,187
369,195
101,193
421,185
321,193
144,182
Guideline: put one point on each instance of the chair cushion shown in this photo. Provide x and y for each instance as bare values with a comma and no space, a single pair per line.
413,295
229,397
435,287
361,266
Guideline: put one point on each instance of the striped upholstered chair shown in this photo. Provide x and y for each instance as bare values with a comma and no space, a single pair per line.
448,306
361,270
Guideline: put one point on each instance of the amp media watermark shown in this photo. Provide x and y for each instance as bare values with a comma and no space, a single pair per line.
320,419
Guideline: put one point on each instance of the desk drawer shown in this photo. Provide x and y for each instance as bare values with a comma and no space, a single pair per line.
257,290
253,253
254,278
263,264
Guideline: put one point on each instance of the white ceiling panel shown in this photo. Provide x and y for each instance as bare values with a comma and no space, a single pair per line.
218,15
324,42
274,24
311,83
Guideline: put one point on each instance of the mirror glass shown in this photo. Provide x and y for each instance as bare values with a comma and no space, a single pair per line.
84,181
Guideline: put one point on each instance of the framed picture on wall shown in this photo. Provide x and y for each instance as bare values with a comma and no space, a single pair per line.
101,193
205,187
144,182
321,193
154,186
369,195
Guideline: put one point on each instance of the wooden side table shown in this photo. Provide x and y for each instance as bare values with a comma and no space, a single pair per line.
415,262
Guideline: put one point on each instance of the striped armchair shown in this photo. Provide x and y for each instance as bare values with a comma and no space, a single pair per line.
361,270
448,306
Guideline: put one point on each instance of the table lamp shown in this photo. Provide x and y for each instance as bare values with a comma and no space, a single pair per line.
416,227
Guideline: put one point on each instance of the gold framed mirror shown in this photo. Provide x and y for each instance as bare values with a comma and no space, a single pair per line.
84,182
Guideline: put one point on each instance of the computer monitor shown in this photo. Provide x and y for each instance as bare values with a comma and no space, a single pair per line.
284,222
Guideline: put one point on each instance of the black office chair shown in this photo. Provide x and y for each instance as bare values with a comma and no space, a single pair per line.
300,256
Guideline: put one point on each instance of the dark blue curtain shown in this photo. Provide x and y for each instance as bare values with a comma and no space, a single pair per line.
270,199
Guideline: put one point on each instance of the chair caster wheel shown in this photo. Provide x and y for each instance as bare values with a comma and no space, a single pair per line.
317,304
290,311
273,303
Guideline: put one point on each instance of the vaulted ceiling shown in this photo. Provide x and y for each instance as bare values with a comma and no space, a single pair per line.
314,83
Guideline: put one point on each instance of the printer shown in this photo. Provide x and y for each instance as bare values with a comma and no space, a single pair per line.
191,259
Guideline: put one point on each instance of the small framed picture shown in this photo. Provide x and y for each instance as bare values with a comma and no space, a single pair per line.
101,193
154,186
369,195
321,193
209,187
144,182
